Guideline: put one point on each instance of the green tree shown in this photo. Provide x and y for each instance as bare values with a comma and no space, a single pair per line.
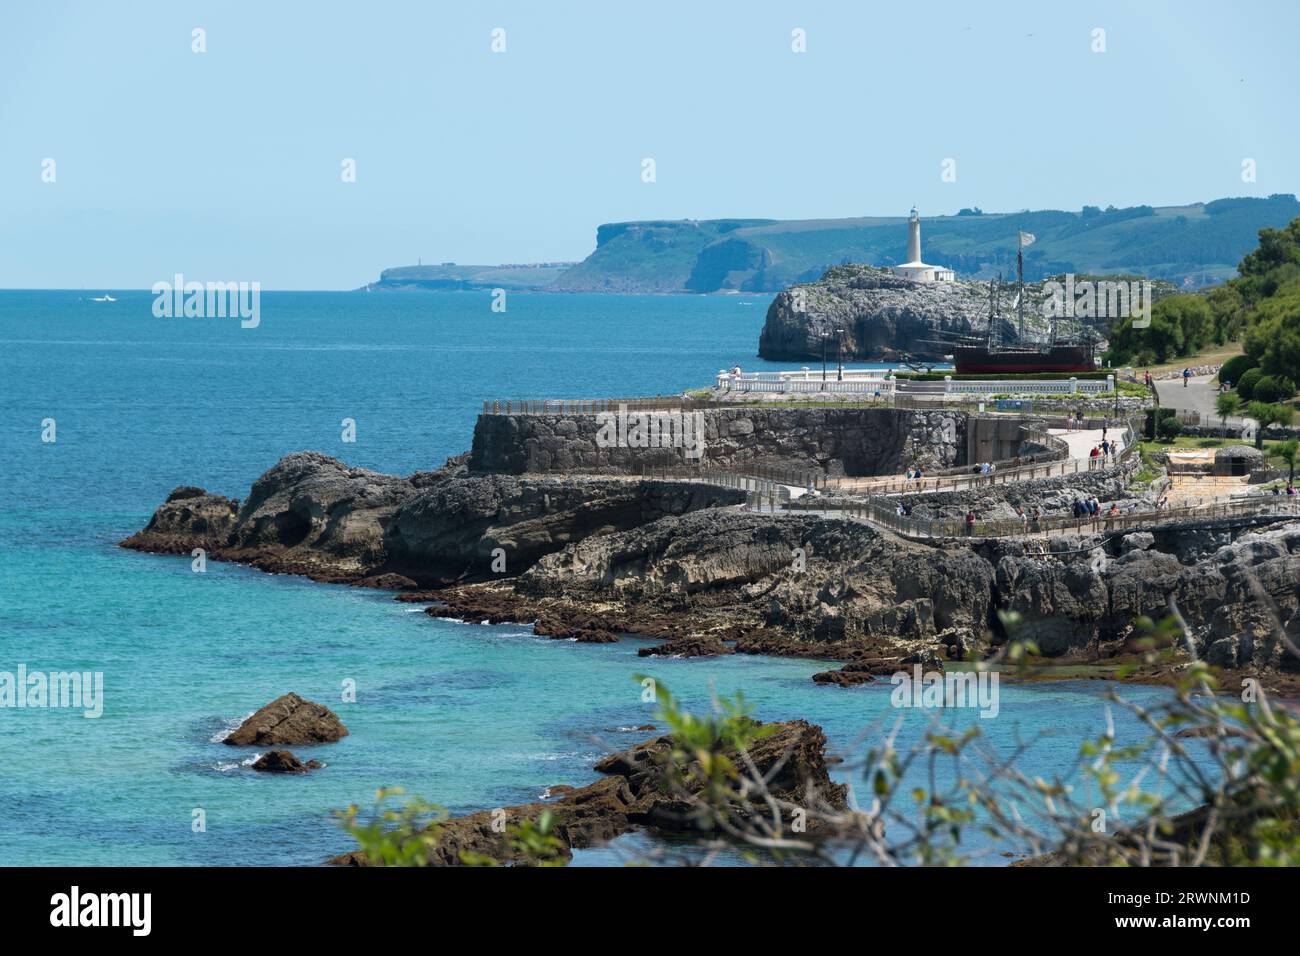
1266,415
1227,405
1273,342
1277,247
1228,309
1287,452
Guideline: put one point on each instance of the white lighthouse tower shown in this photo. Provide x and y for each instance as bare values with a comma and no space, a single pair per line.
914,269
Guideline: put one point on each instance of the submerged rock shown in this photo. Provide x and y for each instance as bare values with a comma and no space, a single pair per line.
283,761
695,646
289,720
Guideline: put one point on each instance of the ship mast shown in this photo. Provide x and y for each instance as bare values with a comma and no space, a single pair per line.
995,324
1020,286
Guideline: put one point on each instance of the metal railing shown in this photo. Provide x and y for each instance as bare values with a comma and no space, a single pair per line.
593,406
756,475
885,514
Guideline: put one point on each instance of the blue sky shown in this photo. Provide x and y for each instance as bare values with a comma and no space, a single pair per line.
226,164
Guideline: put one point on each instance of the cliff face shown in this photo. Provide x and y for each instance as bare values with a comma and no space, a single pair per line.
858,590
834,441
877,311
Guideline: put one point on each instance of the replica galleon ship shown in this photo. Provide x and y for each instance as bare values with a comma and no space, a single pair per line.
1064,350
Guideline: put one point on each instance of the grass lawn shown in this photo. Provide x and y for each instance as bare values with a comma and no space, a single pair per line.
1152,448
1214,355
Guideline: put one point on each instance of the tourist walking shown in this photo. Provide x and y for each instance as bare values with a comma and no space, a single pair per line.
970,523
1187,376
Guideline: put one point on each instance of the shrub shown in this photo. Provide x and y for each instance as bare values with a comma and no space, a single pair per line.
1246,384
1169,428
1236,367
1272,388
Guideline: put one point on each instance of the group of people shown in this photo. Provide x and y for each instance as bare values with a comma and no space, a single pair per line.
1290,489
1090,509
913,474
1102,453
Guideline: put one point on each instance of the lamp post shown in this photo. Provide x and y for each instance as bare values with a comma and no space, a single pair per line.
839,355
825,336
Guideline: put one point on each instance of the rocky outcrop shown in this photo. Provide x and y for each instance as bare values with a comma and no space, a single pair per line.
825,441
1055,495
190,518
310,514
315,516
478,527
316,508
810,586
592,558
283,761
1240,598
880,314
290,721
633,794
818,581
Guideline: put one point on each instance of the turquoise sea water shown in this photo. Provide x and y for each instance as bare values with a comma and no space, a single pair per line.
471,716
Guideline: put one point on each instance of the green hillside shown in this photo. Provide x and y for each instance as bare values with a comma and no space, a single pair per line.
1190,246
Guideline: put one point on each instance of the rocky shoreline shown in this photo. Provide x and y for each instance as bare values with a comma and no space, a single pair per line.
593,558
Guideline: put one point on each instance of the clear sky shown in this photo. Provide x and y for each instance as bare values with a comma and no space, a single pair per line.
226,165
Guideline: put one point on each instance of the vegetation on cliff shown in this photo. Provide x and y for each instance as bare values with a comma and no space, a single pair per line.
1199,243
1260,308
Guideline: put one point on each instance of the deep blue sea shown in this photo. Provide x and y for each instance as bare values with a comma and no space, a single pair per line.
470,716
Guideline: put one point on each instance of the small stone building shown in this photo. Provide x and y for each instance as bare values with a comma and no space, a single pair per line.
1234,460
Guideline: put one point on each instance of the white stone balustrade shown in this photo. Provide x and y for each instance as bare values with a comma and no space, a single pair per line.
856,381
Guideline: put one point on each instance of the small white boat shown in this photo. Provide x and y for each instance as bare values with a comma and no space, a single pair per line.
104,298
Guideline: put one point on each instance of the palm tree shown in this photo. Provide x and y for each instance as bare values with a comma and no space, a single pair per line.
1227,405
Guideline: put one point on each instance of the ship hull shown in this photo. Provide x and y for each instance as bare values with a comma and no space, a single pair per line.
1062,358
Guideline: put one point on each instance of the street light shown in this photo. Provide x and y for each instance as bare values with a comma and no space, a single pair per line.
825,336
839,354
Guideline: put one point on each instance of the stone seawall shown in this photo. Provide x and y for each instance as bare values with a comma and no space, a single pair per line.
833,441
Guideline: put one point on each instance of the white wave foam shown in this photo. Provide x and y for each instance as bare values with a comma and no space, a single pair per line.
231,725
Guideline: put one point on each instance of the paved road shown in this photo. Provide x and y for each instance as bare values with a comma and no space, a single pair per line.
1198,396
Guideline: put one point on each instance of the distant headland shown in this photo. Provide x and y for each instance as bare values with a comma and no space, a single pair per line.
1190,246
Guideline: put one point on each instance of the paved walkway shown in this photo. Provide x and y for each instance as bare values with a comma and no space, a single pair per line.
1083,442
1199,395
